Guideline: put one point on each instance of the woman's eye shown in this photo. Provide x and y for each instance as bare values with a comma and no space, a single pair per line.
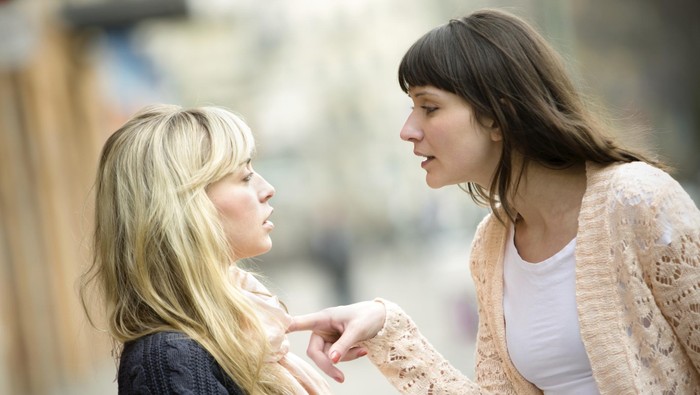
428,109
248,177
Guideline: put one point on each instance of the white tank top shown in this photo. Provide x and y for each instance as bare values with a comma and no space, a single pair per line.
542,331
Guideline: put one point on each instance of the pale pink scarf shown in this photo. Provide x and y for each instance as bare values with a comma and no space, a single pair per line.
275,321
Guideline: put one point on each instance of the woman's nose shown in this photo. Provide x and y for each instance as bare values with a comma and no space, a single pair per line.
410,130
267,191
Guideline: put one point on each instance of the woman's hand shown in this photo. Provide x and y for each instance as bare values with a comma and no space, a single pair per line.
336,332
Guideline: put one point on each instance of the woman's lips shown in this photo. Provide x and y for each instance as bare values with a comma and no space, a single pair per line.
267,223
426,161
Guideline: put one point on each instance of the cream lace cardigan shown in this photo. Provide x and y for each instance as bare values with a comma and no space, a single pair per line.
637,291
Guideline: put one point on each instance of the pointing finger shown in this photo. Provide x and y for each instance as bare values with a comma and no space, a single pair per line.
304,322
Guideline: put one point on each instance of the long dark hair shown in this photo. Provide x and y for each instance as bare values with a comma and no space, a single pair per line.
508,73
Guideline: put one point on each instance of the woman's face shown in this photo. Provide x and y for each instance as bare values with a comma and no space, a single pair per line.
242,199
455,147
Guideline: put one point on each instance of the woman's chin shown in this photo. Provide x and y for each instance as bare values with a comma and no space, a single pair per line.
267,247
433,183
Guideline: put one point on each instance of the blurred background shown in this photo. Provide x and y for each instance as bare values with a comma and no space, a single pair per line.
316,81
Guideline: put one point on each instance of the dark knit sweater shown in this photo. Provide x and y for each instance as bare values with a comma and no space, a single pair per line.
171,363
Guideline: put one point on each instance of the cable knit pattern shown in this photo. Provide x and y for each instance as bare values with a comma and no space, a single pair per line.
171,363
637,292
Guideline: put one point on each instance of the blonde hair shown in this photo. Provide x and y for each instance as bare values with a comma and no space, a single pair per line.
161,257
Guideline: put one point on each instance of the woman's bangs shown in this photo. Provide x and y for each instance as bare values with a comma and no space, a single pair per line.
417,66
235,141
424,65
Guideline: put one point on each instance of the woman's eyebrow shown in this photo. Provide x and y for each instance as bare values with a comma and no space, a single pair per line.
422,92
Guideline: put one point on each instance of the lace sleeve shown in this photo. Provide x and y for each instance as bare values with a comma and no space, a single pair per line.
675,266
489,367
410,363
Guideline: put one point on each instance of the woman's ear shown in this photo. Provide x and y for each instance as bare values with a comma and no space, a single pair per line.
495,133
492,127
489,123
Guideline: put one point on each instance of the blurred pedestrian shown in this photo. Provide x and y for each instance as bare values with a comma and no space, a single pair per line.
331,246
587,268
177,206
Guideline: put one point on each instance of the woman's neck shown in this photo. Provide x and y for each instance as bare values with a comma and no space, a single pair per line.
548,202
547,198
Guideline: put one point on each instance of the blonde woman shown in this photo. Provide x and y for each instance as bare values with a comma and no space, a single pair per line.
177,205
